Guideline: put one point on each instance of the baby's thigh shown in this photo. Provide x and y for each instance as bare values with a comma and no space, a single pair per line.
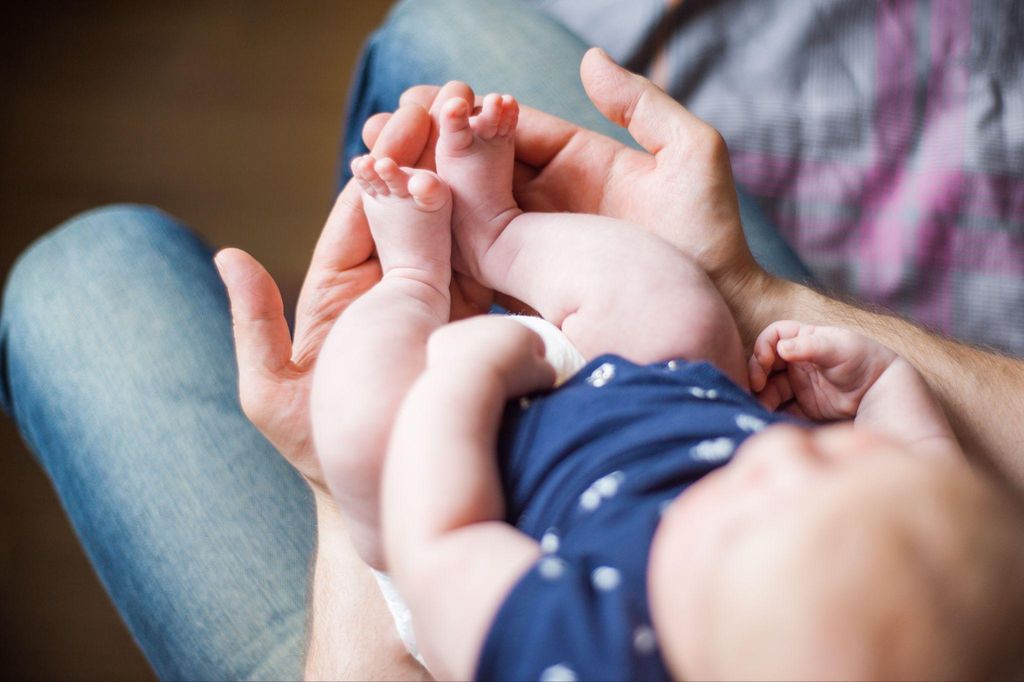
649,302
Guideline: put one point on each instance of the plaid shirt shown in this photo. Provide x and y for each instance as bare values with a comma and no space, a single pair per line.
886,140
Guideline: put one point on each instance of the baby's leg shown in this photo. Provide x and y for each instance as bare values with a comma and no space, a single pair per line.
378,345
608,285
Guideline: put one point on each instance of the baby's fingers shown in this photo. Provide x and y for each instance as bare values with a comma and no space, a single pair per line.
777,391
823,346
765,360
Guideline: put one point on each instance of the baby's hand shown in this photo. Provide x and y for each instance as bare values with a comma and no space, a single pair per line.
825,370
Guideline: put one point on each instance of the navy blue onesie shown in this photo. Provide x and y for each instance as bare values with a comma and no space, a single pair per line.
587,470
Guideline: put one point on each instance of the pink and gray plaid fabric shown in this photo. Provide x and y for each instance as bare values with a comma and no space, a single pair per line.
885,139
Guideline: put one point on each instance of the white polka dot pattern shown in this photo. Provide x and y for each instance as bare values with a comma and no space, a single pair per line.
644,641
590,499
713,450
749,423
601,489
551,568
698,392
602,375
605,578
558,673
549,542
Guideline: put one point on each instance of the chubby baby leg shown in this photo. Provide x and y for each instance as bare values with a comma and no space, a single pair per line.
378,345
610,286
475,156
613,287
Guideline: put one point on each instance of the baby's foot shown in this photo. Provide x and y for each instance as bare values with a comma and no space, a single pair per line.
475,156
409,211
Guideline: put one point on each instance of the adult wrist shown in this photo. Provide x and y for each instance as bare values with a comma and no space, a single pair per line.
757,298
328,516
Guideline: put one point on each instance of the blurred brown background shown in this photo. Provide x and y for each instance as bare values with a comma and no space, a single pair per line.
227,115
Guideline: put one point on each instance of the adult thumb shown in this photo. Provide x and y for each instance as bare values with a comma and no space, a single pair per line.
654,119
262,341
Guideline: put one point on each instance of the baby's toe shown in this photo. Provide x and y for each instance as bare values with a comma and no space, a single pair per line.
486,123
456,133
509,115
428,190
361,167
367,173
396,179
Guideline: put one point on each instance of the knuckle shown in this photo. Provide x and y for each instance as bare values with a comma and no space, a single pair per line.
712,145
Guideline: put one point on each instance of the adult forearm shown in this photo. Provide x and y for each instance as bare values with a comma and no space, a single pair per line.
981,392
352,636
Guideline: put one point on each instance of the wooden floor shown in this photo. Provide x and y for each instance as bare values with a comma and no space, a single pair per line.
225,114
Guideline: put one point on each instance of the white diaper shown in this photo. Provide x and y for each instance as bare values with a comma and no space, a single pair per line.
566,360
560,352
399,613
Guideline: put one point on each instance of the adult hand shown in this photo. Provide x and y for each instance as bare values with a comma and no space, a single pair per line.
468,296
275,370
681,188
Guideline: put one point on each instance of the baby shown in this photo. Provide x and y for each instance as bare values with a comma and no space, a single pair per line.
833,552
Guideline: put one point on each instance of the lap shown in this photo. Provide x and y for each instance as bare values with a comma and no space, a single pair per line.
119,371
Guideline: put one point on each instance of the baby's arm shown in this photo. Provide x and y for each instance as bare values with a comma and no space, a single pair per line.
450,553
834,374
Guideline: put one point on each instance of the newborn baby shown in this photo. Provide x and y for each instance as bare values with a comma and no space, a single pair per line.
813,553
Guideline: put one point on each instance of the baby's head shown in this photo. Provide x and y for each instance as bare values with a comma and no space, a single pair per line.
833,554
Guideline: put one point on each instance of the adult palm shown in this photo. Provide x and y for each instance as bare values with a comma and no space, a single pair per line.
275,369
679,186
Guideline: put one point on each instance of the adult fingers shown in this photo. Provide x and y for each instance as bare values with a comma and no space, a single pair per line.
373,126
541,136
450,90
262,342
403,135
345,241
422,95
654,119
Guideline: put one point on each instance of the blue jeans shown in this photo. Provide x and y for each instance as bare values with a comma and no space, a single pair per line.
116,364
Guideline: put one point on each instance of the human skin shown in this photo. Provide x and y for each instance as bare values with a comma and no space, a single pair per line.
981,392
443,500
376,347
831,374
567,266
681,189
853,532
352,635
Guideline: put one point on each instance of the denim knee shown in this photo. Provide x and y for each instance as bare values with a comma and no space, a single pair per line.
44,291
